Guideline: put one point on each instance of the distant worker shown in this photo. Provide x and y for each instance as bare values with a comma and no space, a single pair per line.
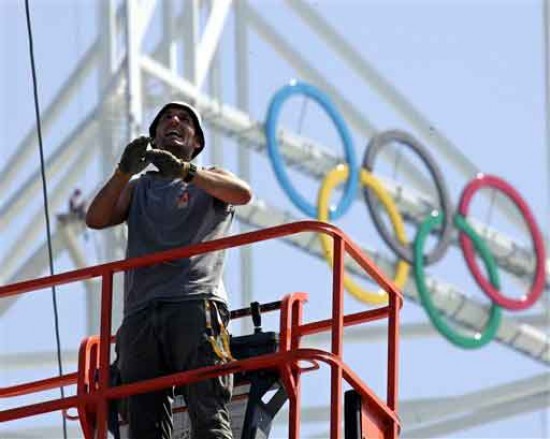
77,206
175,313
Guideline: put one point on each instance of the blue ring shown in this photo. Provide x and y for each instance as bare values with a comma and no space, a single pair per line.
278,163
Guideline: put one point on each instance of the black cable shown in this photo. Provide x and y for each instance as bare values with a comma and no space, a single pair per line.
45,197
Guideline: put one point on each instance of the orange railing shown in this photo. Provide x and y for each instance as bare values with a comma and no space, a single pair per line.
91,401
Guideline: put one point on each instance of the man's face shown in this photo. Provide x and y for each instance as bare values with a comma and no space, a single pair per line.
176,132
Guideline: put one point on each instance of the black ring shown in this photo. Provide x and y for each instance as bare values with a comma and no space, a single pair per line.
406,252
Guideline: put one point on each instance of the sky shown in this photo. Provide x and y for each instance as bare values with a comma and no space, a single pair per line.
474,69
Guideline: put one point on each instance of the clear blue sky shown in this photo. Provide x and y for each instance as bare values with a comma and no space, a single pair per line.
473,68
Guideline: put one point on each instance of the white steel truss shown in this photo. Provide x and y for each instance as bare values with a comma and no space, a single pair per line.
123,101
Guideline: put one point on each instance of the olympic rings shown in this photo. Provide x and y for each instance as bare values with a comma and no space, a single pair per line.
466,245
441,221
337,175
278,162
374,147
434,314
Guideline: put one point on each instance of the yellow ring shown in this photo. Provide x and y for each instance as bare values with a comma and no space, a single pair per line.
332,179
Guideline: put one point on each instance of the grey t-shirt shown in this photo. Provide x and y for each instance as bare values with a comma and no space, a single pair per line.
165,214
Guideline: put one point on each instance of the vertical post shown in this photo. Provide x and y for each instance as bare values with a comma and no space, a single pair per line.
296,316
393,351
107,67
112,238
104,351
296,320
133,73
215,82
337,336
290,319
287,374
293,399
169,56
191,40
242,67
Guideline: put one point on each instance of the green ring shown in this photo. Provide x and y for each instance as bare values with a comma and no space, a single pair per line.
434,314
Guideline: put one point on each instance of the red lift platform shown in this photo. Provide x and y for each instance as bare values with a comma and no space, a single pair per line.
366,414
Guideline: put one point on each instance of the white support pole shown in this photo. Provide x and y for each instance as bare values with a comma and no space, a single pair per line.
169,49
210,39
242,78
107,65
133,72
215,84
191,38
109,141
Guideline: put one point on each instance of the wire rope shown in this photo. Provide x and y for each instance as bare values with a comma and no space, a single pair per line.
45,198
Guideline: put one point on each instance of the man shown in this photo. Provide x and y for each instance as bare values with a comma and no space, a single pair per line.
173,312
77,206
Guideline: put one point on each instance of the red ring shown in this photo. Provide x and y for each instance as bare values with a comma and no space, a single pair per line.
468,249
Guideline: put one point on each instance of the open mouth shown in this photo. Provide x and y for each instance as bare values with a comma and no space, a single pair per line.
173,134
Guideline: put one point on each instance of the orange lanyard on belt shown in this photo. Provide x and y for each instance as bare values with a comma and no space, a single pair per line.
220,345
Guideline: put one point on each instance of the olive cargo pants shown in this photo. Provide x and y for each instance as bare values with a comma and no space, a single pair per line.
166,338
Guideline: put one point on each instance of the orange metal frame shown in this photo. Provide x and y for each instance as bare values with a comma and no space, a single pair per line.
92,396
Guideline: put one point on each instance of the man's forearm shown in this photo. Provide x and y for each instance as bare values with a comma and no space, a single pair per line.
102,211
223,186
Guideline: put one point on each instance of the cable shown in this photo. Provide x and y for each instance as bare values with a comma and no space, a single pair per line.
45,197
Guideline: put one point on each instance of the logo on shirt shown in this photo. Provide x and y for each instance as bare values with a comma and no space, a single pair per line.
183,199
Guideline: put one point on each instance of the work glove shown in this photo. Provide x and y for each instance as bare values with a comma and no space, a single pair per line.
167,163
133,158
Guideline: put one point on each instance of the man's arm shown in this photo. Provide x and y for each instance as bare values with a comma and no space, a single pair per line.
219,183
223,185
110,206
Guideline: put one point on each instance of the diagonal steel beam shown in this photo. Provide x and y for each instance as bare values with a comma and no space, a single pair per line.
52,111
482,416
65,153
426,410
472,409
49,115
316,160
404,107
352,114
448,299
369,74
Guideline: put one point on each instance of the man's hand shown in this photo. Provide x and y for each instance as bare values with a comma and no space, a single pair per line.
133,158
167,163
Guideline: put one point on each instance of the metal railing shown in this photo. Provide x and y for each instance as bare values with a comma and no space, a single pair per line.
93,389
